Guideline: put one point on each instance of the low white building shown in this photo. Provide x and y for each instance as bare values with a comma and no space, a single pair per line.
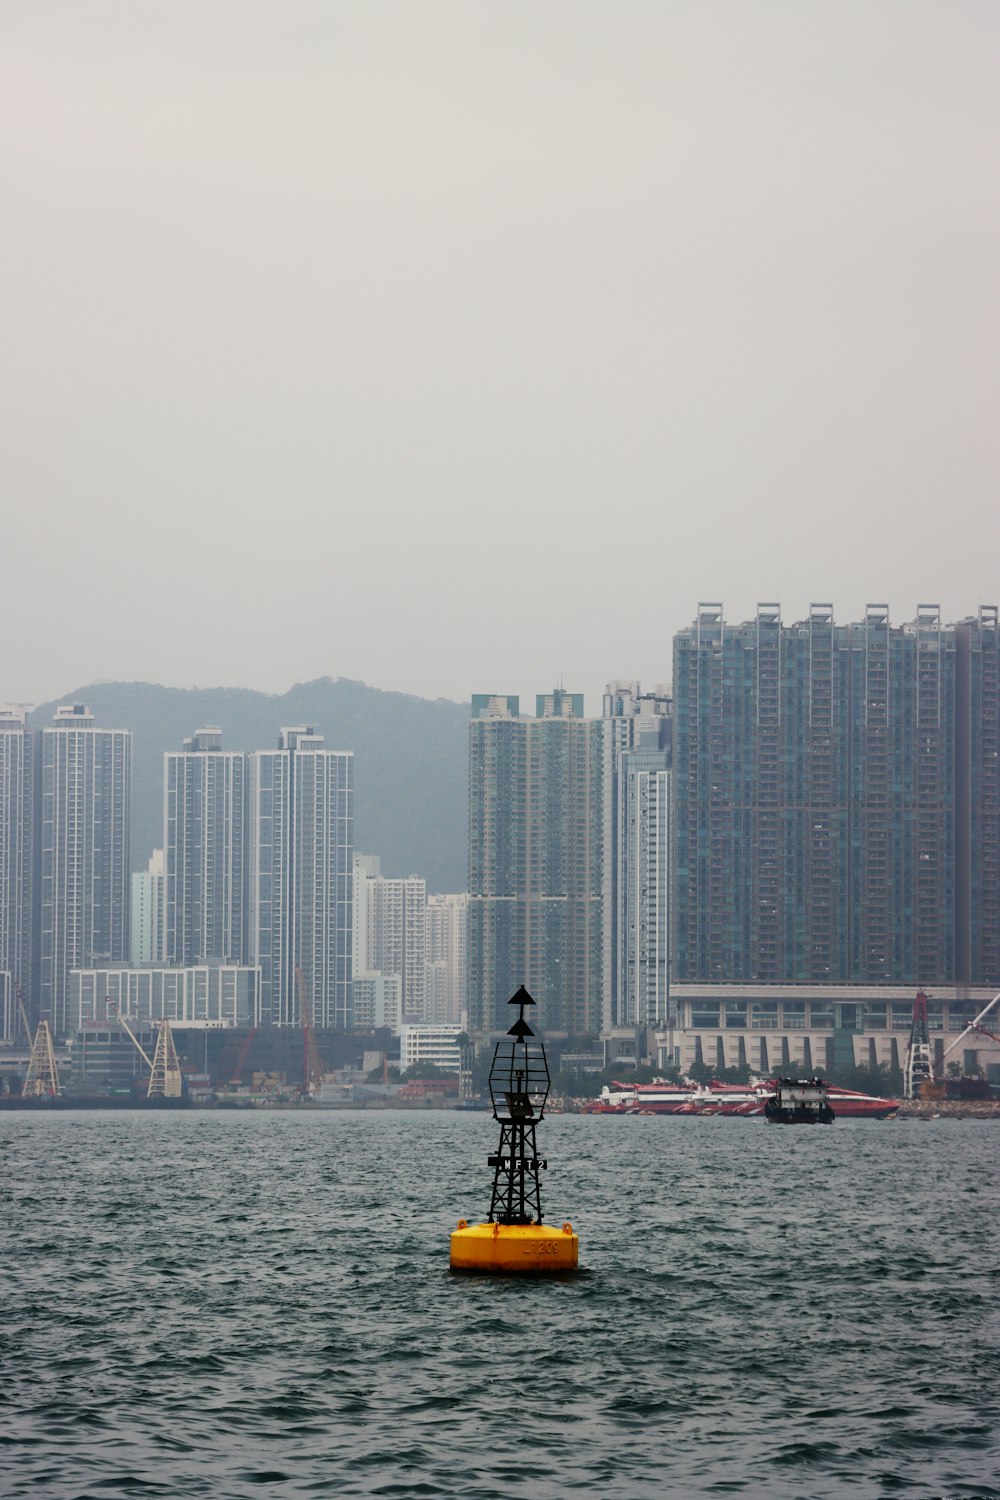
430,1044
775,1028
218,994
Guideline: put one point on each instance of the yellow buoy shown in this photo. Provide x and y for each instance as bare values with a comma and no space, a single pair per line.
513,1239
513,1248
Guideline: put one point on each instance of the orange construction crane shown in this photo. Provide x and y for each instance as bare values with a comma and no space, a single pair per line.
241,1061
24,1014
312,1068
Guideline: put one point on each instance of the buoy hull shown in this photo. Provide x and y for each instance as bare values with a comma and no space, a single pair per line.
514,1249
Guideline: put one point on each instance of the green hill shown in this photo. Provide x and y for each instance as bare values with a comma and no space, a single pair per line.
409,758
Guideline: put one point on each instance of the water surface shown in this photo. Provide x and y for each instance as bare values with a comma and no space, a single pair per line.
234,1305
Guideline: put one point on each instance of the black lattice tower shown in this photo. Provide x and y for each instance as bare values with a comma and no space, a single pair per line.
519,1087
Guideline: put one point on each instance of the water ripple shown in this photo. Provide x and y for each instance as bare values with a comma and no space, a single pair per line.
243,1305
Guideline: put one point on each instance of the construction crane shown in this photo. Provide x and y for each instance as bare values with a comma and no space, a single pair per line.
312,1068
241,1061
918,1067
165,1081
24,1014
135,1041
42,1079
974,1026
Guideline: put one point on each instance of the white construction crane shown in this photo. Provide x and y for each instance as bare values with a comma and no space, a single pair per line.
975,1025
42,1080
165,1080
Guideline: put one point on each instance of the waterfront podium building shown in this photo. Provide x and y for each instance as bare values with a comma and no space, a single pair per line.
801,1028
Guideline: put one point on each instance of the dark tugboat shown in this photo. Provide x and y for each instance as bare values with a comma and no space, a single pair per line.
513,1238
799,1101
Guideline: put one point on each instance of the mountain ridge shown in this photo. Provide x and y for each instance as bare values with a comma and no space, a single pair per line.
410,766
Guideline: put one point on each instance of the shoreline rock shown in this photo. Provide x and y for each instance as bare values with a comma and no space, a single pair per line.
949,1109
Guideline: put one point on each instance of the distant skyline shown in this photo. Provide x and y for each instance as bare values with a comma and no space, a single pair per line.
592,688
460,347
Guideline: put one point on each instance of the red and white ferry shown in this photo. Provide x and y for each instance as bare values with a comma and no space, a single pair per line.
715,1098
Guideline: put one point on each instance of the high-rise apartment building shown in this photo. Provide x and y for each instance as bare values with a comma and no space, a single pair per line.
497,957
366,867
377,1001
148,906
636,856
84,792
301,878
829,784
977,802
17,801
447,927
206,841
397,937
536,825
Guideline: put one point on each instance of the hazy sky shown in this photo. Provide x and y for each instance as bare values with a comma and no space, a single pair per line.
463,346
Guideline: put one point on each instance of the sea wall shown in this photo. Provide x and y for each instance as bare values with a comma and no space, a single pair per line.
950,1109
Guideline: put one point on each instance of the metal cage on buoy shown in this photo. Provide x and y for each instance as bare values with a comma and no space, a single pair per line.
519,1087
514,1238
